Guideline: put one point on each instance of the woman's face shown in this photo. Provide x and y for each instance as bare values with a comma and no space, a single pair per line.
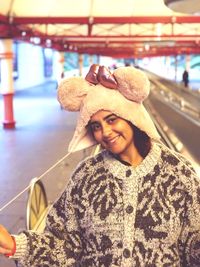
112,132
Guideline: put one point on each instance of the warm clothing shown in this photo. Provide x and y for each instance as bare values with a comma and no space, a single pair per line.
112,214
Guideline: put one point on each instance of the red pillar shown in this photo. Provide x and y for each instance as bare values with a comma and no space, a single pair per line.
6,58
8,122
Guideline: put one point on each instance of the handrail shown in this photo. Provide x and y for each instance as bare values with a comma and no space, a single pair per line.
168,137
182,102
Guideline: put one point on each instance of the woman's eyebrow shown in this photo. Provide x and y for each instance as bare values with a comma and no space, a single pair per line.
108,116
105,118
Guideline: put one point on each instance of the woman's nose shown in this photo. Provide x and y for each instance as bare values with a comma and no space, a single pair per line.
106,130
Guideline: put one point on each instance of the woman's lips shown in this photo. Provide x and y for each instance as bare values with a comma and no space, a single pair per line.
112,140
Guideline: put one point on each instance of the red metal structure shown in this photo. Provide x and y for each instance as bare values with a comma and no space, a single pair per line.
117,36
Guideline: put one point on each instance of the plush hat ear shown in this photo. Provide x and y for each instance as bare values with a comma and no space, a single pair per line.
72,91
132,83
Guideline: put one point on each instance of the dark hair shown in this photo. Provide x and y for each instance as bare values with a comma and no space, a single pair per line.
141,141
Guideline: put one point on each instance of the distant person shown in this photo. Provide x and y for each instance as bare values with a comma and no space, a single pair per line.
62,75
185,78
134,204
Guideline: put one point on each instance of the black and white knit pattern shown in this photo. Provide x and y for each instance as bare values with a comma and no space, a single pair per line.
114,215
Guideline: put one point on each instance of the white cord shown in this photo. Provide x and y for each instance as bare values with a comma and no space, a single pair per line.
39,178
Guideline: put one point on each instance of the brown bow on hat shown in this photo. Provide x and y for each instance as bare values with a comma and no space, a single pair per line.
100,74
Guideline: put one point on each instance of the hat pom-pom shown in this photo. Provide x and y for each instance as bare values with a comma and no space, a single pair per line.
71,92
132,83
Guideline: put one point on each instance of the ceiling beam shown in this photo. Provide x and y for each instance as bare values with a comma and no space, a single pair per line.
106,20
113,39
4,19
137,54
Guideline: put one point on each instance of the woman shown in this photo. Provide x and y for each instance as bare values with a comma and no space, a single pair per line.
135,203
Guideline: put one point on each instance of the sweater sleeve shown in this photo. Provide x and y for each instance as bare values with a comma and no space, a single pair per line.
190,236
60,243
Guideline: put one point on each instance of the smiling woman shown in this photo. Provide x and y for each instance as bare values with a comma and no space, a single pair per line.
114,134
135,203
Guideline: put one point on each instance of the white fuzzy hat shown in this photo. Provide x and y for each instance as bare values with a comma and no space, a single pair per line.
125,100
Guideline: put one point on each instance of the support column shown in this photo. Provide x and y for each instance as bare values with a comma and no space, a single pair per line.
90,60
7,87
61,63
98,59
167,64
187,62
175,65
80,62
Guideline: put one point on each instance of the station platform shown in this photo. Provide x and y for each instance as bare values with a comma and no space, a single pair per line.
42,134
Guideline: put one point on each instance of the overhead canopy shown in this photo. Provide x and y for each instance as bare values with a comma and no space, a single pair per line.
117,28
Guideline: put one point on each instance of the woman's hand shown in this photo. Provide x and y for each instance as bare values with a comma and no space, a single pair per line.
7,243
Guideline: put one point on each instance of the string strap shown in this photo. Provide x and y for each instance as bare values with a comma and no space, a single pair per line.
38,178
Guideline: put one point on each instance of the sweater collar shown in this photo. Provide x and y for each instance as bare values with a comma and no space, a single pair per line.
119,168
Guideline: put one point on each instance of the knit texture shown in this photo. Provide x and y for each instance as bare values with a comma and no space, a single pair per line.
21,246
112,214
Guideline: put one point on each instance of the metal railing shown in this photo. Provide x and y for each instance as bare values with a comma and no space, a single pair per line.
176,100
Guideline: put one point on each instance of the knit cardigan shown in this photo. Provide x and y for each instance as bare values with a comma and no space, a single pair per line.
112,214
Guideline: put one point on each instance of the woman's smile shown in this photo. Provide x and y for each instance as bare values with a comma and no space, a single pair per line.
112,140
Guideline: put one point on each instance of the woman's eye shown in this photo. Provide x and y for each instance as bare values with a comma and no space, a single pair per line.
95,127
111,120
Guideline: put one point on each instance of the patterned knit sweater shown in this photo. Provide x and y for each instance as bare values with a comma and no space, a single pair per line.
112,214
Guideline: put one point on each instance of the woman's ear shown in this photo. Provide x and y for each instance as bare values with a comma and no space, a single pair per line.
132,83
